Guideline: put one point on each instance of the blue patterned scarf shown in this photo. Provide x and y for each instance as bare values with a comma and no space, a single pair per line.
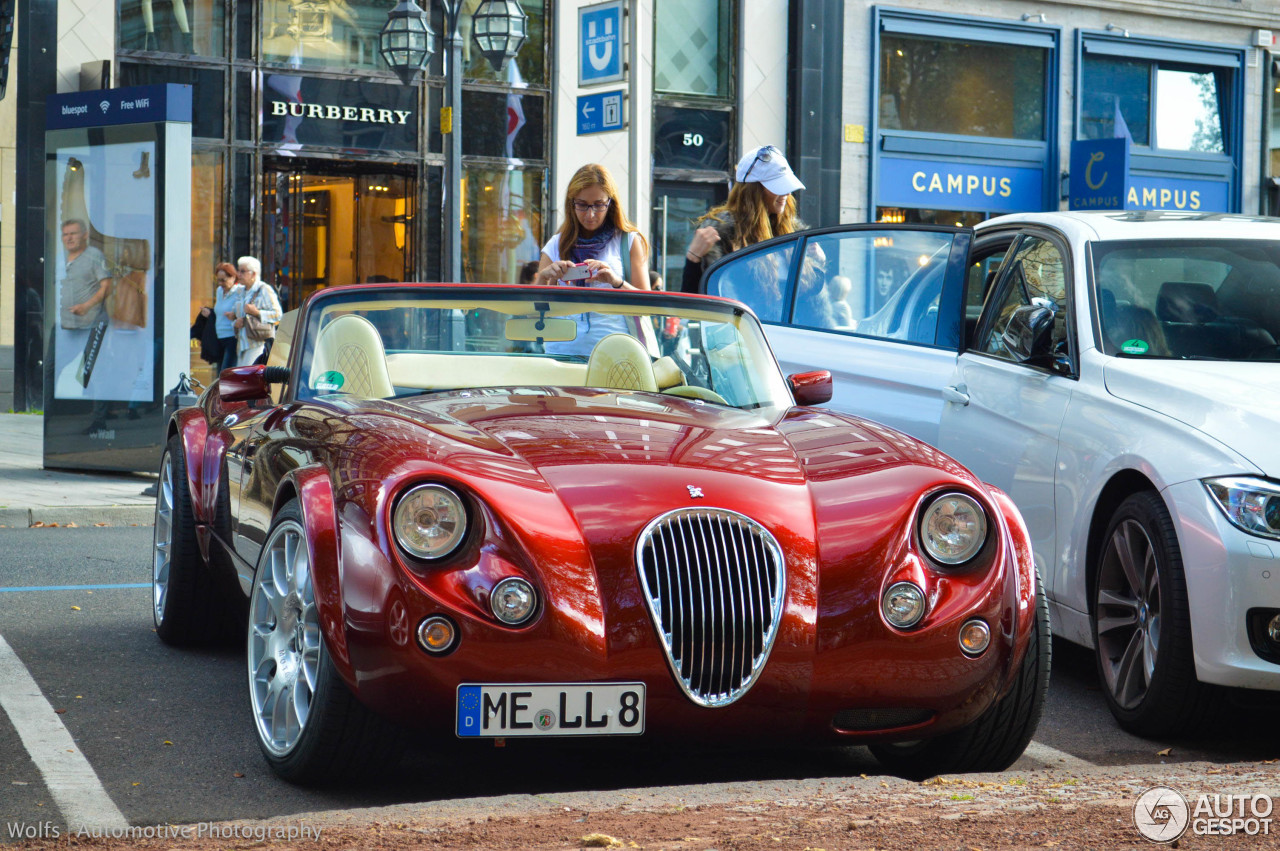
590,247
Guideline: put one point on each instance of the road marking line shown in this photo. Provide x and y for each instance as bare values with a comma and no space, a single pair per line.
1055,758
73,587
70,779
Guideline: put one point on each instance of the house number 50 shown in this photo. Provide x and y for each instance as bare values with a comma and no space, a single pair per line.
693,139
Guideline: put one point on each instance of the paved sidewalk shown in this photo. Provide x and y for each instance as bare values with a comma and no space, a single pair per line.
30,494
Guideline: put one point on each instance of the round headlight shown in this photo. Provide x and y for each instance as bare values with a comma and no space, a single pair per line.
430,521
513,601
903,604
953,528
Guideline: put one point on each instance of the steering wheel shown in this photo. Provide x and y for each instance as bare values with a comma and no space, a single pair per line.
689,391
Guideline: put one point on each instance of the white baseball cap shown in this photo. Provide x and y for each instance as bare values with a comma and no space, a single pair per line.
767,165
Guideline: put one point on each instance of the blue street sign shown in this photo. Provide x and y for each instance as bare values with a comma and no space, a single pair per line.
600,112
1099,174
600,44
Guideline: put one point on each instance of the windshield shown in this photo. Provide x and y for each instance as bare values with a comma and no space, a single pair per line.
1189,299
399,342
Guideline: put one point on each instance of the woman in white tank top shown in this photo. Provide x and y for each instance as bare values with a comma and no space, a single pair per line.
594,232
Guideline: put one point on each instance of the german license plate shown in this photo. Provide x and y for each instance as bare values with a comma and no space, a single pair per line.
542,709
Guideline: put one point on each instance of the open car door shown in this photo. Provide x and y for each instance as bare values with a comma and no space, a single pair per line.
883,307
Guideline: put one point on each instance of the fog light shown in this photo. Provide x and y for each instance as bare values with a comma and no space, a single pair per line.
513,601
437,634
1273,629
975,637
903,604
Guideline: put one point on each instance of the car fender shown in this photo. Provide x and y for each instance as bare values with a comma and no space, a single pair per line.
314,491
192,431
1023,591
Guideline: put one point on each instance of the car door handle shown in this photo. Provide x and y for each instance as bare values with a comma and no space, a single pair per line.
956,393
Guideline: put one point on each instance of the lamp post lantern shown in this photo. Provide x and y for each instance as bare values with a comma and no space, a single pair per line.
499,28
407,40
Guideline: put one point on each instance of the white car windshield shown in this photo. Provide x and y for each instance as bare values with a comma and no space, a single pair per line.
397,342
1189,299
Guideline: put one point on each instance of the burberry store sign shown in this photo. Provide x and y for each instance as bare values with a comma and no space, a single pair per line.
346,114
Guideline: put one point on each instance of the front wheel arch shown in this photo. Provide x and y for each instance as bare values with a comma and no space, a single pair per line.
1118,488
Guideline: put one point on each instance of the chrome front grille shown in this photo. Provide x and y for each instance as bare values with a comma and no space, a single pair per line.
714,581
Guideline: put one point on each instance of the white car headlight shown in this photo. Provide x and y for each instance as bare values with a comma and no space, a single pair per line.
953,528
430,521
1251,504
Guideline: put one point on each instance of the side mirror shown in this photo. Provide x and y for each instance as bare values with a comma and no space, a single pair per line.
1029,334
811,388
249,383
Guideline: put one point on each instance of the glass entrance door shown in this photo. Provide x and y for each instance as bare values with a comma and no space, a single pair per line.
676,204
327,223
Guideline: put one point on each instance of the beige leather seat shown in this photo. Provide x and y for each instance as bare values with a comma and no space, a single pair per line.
351,347
620,362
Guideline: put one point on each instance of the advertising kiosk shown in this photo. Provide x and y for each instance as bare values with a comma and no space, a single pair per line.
118,196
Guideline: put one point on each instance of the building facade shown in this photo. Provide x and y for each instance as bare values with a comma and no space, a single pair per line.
309,153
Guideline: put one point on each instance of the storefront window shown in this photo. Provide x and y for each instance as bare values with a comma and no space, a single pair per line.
323,33
530,64
173,26
501,222
208,186
691,43
933,85
208,85
1173,107
503,125
1272,152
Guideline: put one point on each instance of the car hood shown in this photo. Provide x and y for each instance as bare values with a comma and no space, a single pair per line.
1234,403
639,454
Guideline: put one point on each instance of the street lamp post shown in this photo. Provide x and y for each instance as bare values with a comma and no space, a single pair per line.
499,28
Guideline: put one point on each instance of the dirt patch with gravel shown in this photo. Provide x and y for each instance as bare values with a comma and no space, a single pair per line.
1038,809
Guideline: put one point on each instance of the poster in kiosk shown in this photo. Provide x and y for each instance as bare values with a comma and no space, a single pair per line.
117,204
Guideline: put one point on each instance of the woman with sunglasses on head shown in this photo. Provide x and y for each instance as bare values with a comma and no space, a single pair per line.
759,207
594,236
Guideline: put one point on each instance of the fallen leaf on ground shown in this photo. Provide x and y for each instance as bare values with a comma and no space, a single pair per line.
1164,752
600,840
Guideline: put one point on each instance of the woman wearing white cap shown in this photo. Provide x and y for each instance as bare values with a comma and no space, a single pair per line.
759,207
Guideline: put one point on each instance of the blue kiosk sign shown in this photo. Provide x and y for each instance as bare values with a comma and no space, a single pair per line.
952,185
1102,179
600,112
600,44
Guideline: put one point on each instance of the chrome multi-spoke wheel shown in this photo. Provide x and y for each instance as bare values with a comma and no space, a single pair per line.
311,728
1128,613
1142,623
284,639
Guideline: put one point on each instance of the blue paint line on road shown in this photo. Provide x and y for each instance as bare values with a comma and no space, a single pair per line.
73,587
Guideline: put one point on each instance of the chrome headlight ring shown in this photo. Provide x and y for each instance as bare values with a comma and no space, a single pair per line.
953,528
430,521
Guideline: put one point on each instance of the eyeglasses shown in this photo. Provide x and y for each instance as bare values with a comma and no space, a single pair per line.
583,206
763,155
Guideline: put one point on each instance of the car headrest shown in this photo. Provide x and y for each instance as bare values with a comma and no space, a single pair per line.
1186,301
621,363
666,373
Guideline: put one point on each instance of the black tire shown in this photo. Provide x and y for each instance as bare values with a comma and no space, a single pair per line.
310,727
1142,634
186,605
998,737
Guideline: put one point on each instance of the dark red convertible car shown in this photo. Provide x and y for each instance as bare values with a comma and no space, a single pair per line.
492,512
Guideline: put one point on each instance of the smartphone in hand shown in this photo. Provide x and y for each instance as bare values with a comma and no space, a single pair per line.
577,273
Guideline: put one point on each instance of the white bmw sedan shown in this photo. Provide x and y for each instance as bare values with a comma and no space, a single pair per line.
1118,374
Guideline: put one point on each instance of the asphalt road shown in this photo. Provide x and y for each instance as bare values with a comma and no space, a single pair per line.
167,733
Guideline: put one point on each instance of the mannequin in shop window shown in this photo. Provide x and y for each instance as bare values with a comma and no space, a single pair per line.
179,18
303,29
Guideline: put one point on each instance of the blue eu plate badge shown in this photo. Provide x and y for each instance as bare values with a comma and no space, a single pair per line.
468,710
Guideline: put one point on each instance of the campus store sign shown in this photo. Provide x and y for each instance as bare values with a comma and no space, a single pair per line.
346,114
1176,193
1102,179
942,185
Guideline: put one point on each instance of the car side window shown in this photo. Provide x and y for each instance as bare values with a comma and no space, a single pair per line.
757,280
1036,275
